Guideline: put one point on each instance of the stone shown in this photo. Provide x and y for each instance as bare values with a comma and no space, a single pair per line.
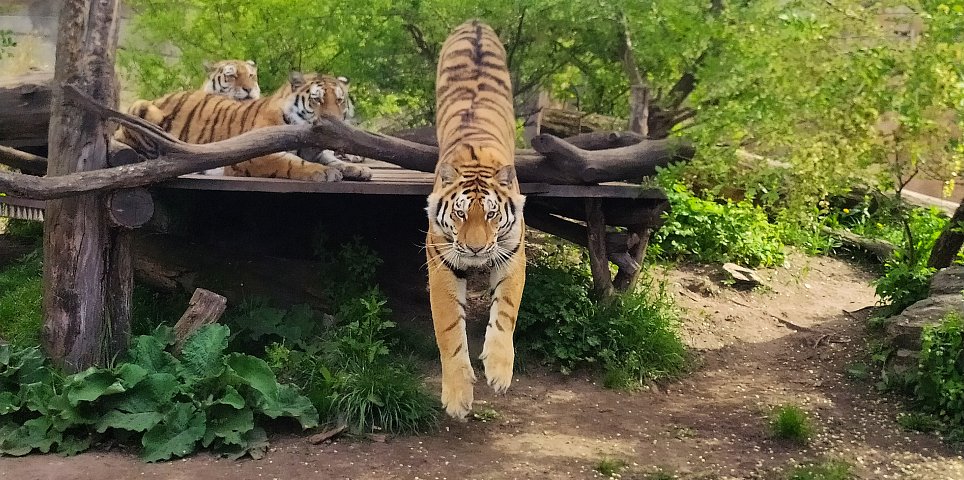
905,329
949,281
743,275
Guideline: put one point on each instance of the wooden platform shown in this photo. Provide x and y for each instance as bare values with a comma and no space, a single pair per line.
397,181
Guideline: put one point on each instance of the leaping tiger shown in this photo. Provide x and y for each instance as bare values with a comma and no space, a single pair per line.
474,210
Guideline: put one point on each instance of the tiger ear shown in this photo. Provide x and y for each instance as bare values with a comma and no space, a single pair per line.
297,79
344,80
251,62
506,175
447,173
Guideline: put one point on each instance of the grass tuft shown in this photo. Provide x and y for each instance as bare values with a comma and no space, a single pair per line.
790,422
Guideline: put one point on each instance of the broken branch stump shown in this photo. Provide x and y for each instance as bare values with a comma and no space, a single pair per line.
205,307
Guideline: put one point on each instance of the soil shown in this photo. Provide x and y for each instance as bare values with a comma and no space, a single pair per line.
789,342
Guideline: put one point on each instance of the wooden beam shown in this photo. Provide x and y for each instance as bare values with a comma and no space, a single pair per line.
598,259
205,307
25,109
21,160
79,247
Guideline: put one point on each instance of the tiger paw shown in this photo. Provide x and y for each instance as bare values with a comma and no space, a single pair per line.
326,174
497,358
457,392
355,172
351,158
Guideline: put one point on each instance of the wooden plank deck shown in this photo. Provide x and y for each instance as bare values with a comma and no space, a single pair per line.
391,180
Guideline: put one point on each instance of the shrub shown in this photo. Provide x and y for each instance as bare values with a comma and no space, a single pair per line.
633,337
167,404
710,230
610,467
789,422
939,388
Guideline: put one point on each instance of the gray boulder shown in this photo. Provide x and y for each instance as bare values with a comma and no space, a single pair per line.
949,281
905,329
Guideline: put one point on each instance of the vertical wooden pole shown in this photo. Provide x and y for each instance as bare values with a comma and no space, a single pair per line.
78,242
598,259
625,280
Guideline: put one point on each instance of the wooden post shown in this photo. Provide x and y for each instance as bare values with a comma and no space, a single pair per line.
205,307
598,259
949,243
83,257
626,278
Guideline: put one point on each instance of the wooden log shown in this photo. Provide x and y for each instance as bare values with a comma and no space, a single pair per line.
598,259
130,207
25,109
881,249
120,288
120,154
629,269
23,161
618,244
78,242
949,243
205,307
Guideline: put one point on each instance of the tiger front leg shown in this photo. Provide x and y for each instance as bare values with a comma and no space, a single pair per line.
498,351
350,171
447,295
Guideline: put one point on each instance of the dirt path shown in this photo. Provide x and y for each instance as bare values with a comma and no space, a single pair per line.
789,344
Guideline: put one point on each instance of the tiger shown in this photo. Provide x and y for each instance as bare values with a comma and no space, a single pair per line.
237,79
201,117
330,157
474,211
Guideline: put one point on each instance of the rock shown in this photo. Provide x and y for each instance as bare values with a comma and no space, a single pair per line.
743,275
702,286
949,281
327,436
903,361
905,329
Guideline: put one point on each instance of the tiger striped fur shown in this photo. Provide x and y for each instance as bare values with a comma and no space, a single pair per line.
474,210
237,79
200,117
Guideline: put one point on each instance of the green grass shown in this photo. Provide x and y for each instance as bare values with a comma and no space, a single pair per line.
918,422
20,301
610,466
790,422
826,470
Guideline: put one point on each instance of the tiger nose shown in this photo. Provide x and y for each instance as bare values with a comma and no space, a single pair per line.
474,249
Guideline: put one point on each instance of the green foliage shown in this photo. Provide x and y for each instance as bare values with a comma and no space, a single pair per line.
707,230
6,42
352,376
25,231
172,406
906,275
610,466
633,338
790,422
939,388
20,300
826,470
919,422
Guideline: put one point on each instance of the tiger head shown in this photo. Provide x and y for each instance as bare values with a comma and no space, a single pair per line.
237,79
308,97
476,209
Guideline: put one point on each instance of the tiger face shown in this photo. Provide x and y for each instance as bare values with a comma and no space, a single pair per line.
477,211
308,97
237,79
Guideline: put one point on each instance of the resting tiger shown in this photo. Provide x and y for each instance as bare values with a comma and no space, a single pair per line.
474,210
200,117
237,79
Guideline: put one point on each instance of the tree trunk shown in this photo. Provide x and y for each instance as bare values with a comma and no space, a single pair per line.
950,241
79,246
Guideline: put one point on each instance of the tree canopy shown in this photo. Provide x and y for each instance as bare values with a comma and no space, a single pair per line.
836,89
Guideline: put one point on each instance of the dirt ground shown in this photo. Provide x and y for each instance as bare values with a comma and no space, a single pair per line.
789,343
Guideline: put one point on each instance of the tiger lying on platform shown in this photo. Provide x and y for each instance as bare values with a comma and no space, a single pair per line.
474,210
233,78
237,79
200,117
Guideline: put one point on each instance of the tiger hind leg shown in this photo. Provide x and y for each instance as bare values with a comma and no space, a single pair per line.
284,165
498,351
447,295
350,171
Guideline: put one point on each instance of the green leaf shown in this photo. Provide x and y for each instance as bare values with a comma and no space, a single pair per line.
202,355
134,422
130,373
148,352
289,402
72,445
254,443
176,435
8,403
232,398
33,434
90,385
152,394
254,372
228,424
